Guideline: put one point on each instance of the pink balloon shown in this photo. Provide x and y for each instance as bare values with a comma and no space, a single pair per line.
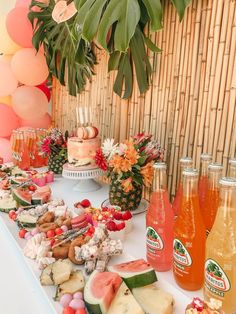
8,120
43,122
5,150
29,67
46,90
8,82
23,3
29,102
19,27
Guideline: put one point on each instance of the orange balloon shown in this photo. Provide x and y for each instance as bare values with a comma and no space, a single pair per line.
8,120
8,82
29,102
29,67
43,122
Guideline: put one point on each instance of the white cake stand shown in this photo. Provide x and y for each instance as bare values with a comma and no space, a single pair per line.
85,177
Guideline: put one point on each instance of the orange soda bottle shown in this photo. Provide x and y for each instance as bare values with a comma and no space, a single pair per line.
232,168
220,265
24,159
211,203
189,236
160,223
185,163
206,159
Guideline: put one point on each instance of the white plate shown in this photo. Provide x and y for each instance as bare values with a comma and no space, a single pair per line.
143,206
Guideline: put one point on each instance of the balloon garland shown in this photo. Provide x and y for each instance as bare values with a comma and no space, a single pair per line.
24,95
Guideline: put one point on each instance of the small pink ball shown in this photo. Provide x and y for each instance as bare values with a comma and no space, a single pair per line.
78,295
66,299
64,228
34,231
77,304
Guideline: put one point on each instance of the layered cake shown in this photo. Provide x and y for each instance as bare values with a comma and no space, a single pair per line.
82,149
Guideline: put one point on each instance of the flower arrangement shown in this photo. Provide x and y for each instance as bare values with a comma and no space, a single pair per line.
54,142
131,162
54,145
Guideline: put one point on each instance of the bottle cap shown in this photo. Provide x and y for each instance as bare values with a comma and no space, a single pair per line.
190,172
206,157
160,165
232,162
227,181
215,166
186,160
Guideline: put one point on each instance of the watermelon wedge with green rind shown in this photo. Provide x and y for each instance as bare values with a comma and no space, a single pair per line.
135,274
19,180
100,291
40,197
25,220
22,196
7,204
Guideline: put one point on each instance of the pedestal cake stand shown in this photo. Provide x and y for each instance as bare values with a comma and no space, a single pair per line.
85,178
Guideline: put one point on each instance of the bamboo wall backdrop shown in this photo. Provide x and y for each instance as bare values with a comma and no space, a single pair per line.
190,107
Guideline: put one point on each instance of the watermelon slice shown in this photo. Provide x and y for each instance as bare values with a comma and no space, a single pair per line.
19,180
100,291
40,197
22,196
7,204
136,273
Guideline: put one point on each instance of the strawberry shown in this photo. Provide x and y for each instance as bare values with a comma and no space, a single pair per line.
127,215
85,203
121,226
117,215
111,226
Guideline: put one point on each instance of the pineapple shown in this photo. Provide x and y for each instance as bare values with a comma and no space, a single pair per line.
127,201
56,163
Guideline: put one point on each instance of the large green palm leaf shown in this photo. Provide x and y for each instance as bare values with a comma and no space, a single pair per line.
69,57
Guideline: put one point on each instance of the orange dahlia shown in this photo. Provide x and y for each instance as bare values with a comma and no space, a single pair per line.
116,163
147,173
127,185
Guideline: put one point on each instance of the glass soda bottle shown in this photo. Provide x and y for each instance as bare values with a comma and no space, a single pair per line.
232,168
220,264
24,159
211,203
185,163
160,223
189,236
206,159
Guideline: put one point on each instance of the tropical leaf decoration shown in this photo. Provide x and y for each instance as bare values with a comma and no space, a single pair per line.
121,27
69,57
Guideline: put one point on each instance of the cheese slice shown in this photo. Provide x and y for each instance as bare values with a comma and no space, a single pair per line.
154,300
124,302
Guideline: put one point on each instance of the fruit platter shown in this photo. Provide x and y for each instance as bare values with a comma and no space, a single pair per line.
79,254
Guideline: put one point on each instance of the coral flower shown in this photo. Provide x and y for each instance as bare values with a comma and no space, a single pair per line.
126,165
116,163
127,185
46,145
147,173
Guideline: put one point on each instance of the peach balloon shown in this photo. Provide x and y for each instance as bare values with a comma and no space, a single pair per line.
29,67
5,100
5,150
43,122
23,3
8,120
19,27
29,102
8,81
7,45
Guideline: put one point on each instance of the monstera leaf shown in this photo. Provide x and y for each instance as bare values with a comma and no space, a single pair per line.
69,57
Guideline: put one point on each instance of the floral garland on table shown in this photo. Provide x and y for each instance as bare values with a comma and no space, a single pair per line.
130,162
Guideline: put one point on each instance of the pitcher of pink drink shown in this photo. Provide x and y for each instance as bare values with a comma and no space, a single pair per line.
160,223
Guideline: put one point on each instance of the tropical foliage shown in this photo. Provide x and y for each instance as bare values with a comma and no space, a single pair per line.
121,27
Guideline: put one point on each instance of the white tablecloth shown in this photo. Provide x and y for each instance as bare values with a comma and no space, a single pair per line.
20,290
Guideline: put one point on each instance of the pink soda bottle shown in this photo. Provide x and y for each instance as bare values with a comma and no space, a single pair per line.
160,223
185,163
206,159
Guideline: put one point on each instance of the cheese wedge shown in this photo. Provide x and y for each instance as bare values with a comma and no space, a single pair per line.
124,302
154,300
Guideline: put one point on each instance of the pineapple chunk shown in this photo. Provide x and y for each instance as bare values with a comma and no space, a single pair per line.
56,273
154,300
74,284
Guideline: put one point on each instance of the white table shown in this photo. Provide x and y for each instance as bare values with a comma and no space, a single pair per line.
20,290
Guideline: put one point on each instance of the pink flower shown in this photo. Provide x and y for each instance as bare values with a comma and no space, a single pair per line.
46,146
101,160
141,137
